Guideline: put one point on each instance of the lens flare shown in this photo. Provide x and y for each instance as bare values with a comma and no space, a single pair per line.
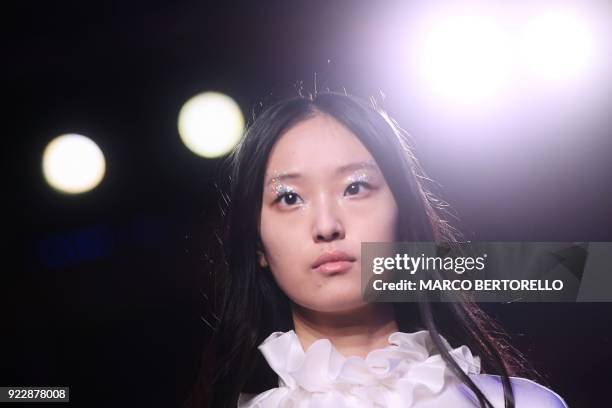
73,164
210,124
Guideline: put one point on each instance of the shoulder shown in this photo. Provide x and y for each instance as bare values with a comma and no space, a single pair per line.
527,393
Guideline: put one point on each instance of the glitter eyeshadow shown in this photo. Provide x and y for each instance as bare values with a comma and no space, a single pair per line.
278,188
359,175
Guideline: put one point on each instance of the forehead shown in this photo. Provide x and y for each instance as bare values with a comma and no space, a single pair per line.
317,143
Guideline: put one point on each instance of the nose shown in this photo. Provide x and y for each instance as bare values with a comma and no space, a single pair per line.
327,224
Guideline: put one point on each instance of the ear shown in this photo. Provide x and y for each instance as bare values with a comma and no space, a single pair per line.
261,257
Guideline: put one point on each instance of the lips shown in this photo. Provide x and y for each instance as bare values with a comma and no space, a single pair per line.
335,257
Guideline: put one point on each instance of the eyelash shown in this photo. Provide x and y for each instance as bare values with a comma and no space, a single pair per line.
357,183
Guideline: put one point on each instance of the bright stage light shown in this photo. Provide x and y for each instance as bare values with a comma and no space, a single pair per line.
210,124
557,45
483,56
462,57
73,164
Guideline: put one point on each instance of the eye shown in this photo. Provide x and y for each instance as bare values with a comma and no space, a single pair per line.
354,188
290,198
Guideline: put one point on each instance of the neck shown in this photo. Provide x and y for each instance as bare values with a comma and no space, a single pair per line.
353,333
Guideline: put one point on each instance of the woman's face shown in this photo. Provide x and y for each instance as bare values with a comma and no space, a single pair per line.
323,192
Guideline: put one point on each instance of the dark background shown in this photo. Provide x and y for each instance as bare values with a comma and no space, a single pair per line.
101,291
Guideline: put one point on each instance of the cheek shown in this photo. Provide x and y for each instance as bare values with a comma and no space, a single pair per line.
283,256
390,220
378,222
280,241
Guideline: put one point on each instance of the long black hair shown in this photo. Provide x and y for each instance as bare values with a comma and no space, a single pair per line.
246,303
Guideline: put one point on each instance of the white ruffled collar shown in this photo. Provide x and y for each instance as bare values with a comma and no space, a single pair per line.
409,368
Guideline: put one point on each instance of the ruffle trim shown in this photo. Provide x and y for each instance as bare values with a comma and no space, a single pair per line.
393,376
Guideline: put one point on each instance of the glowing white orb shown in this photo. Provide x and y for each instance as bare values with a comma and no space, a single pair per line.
73,164
210,124
464,57
557,45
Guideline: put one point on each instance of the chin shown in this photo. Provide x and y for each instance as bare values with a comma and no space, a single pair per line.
338,305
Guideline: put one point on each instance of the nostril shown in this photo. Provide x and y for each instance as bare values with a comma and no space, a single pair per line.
333,236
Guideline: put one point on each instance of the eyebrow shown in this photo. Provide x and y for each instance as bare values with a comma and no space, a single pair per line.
340,170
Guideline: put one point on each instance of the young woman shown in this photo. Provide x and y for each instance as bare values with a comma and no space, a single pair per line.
312,178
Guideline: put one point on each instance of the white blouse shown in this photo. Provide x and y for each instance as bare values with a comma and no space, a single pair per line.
408,373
